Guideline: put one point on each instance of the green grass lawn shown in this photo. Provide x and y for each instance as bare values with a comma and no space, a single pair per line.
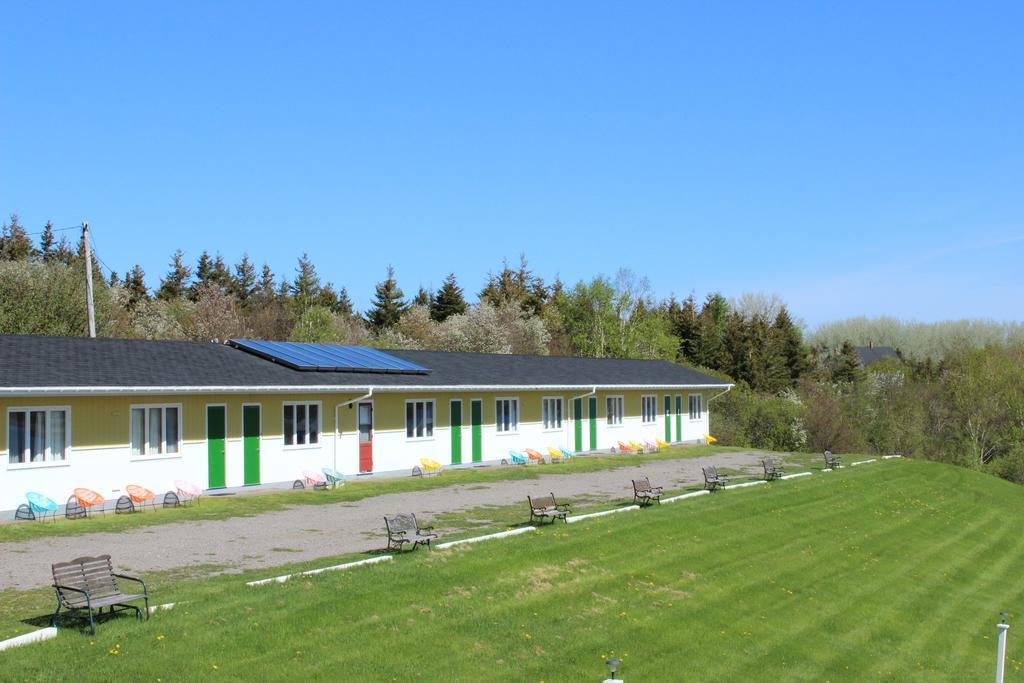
222,507
894,571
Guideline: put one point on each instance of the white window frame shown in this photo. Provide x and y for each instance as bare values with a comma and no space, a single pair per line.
319,425
48,460
700,407
146,407
433,419
550,401
513,426
615,418
649,409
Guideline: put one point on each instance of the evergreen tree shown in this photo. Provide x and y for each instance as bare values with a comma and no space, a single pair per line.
388,304
686,327
14,242
203,272
306,286
244,282
114,280
713,319
790,342
46,242
221,274
448,300
345,304
175,283
422,297
135,283
846,367
265,290
327,298
519,288
63,252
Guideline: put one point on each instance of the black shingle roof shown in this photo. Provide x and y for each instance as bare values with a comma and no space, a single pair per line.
79,362
869,355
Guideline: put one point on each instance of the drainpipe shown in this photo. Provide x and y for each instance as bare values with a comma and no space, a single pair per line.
337,419
722,393
589,393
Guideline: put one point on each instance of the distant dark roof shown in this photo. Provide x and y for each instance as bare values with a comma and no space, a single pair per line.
81,364
869,355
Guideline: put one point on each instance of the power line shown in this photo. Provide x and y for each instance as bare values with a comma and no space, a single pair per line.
74,227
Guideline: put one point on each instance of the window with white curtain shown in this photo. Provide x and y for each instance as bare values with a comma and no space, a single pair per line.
696,407
156,430
301,424
614,410
419,419
551,413
506,415
649,409
37,435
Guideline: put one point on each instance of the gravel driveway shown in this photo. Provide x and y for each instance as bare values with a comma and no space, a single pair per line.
306,532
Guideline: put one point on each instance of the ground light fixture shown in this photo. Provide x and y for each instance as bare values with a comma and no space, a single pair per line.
613,666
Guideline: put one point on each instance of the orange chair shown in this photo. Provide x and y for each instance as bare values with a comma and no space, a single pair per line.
89,499
140,495
626,448
534,455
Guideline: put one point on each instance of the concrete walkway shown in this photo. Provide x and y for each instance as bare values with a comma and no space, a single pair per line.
307,532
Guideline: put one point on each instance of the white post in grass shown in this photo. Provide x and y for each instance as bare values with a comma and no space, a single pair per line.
1001,656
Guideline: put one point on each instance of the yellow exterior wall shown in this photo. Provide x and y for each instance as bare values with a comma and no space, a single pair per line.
100,421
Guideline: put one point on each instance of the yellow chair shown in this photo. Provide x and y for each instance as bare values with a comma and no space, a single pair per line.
708,439
556,455
430,466
661,444
638,447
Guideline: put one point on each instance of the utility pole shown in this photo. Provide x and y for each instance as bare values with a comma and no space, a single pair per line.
88,280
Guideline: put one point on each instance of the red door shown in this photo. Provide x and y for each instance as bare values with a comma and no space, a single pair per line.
365,437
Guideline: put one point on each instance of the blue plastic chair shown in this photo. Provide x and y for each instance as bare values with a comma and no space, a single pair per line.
566,452
517,457
41,505
334,477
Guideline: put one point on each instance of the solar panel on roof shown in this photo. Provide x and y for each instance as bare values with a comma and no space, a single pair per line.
327,357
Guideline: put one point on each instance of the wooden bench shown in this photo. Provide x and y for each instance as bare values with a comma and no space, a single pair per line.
547,507
712,479
404,529
644,493
90,583
771,469
831,461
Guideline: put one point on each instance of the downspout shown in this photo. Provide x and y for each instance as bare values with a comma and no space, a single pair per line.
337,419
722,393
589,393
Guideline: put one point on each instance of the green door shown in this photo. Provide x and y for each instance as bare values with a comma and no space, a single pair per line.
476,417
592,410
251,444
577,414
668,419
215,432
679,417
456,432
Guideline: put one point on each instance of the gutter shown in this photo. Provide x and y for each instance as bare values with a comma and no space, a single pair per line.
723,393
18,392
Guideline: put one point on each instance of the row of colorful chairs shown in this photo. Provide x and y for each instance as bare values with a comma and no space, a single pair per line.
530,455
83,501
646,446
326,477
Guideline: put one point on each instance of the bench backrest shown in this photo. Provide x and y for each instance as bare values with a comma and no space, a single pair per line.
641,485
769,465
92,574
543,502
403,522
710,473
829,458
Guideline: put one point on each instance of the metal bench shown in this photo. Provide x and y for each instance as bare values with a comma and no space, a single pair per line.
644,493
547,507
771,469
90,584
404,529
712,479
831,461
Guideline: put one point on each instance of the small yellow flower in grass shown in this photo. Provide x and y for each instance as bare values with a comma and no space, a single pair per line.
216,667
528,636
160,637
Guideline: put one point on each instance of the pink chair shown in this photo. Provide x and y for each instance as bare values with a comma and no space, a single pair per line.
187,492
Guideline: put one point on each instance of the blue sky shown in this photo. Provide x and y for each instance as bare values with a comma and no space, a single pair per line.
855,158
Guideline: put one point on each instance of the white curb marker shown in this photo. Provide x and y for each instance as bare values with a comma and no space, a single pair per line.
169,605
347,565
577,518
33,637
890,457
746,483
862,462
476,539
798,474
692,494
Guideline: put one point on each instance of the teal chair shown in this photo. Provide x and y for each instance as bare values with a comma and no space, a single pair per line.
41,505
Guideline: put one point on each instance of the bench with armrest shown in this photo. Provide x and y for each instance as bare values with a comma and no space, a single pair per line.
831,461
712,479
404,529
546,507
89,584
644,493
771,469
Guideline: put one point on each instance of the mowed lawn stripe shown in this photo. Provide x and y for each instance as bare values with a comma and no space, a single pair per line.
698,590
